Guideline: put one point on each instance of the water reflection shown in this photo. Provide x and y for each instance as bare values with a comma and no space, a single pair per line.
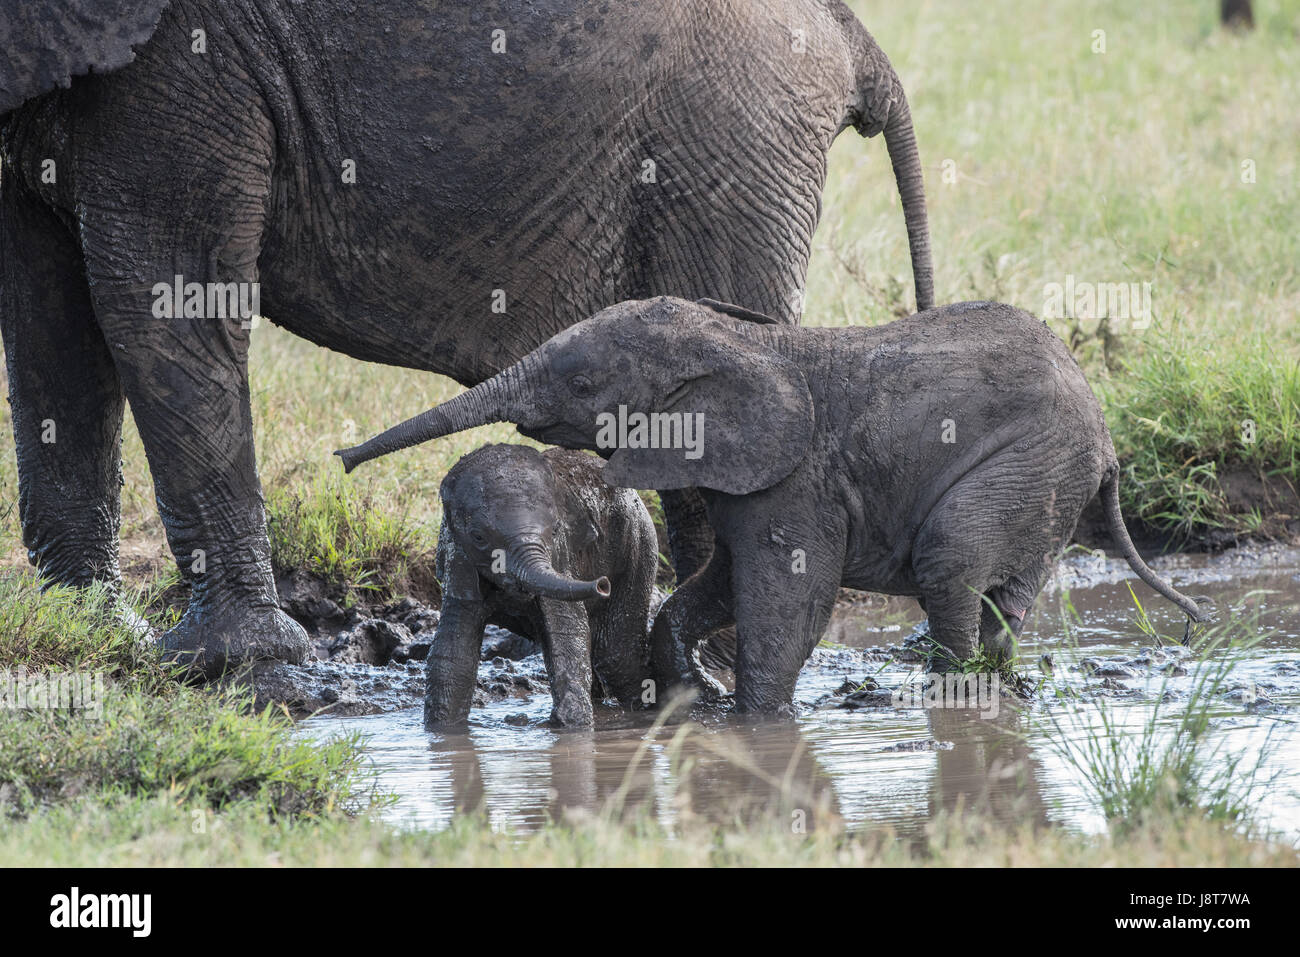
863,768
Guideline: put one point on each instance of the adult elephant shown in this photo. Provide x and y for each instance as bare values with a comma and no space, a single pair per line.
436,185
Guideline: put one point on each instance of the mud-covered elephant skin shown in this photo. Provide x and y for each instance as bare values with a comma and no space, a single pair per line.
539,543
442,186
946,456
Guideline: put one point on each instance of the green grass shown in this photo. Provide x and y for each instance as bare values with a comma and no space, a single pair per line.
158,832
1170,769
195,748
340,535
63,628
149,736
1183,416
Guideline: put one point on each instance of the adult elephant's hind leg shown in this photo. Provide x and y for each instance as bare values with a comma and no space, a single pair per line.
64,394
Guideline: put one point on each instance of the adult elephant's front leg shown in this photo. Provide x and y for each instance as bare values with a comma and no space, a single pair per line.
64,394
174,181
187,383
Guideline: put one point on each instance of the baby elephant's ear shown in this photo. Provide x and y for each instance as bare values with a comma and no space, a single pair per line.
457,574
738,419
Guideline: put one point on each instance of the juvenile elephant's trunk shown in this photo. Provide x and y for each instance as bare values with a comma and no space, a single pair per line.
532,567
900,139
492,401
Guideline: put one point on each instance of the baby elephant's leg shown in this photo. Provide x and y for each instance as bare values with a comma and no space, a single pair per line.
1012,600
566,646
452,667
620,645
701,606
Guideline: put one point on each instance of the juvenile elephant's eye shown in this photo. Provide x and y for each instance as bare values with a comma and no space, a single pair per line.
581,386
478,537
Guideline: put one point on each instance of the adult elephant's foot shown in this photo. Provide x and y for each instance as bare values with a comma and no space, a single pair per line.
210,642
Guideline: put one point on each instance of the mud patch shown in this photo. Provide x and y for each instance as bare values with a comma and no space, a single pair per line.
854,756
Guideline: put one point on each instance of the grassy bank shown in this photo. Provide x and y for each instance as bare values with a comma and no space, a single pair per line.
157,833
138,733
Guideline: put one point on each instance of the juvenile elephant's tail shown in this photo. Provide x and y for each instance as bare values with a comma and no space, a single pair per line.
1195,609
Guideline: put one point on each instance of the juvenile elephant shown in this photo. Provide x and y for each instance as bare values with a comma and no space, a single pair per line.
946,456
439,185
539,543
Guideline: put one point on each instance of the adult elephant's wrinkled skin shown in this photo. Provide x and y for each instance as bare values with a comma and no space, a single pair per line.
437,185
946,456
539,543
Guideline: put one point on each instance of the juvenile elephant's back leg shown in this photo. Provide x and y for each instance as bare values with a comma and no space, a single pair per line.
620,625
995,532
699,607
64,393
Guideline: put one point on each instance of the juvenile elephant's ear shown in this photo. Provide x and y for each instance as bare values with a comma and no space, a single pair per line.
744,413
457,575
47,42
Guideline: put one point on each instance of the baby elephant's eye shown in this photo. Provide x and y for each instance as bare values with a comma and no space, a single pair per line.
581,386
478,537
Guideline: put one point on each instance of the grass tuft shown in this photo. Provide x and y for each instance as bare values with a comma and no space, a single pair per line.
1168,769
334,531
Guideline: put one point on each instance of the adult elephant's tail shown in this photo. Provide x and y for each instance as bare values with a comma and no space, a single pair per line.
882,107
901,142
48,42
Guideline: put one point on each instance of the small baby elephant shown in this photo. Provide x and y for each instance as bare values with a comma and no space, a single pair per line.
539,543
946,456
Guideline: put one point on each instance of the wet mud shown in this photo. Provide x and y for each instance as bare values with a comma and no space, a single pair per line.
866,750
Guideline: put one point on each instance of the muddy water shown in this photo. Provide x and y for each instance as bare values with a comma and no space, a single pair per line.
879,764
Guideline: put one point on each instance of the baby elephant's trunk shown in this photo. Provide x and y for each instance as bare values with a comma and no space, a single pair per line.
1195,609
531,567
